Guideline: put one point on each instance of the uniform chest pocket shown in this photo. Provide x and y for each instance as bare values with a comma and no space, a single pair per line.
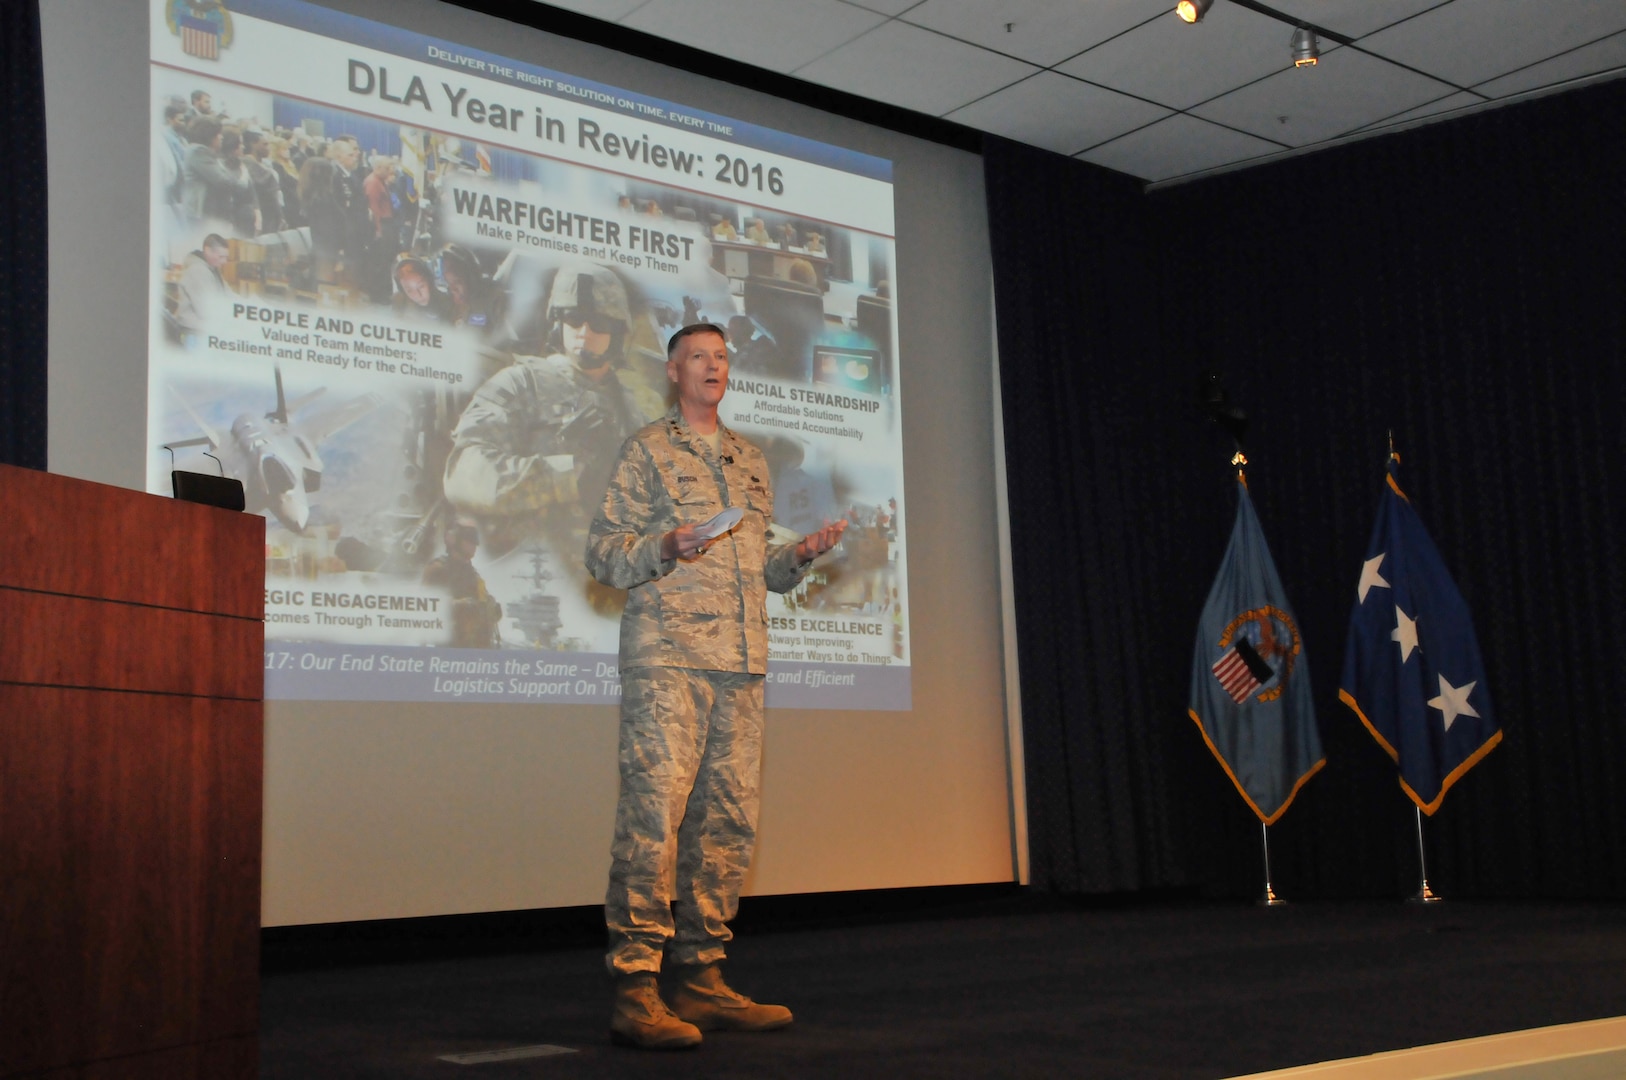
695,503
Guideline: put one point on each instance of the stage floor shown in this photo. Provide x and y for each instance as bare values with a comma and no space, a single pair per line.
1591,1050
1030,987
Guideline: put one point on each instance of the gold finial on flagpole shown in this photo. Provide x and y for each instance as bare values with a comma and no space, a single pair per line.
1389,466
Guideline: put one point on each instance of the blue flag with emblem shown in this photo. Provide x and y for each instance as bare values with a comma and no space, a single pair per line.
1250,682
1412,669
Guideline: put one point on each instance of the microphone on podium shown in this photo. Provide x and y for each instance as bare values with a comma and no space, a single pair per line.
222,491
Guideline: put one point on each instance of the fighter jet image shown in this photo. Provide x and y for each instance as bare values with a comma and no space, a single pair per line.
276,459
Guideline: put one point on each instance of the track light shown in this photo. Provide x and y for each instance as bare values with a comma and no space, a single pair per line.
1193,10
1305,47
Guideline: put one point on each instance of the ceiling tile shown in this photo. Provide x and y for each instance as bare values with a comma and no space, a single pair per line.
1299,106
1057,113
1179,65
1177,146
1472,41
780,37
1042,31
610,10
1606,55
886,7
1353,18
917,69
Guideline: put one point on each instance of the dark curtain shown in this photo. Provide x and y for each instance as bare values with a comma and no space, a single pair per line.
1085,405
23,240
1461,284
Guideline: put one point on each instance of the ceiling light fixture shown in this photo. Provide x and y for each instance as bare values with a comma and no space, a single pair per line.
1306,49
1193,10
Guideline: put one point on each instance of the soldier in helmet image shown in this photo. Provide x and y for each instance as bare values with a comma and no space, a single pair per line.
534,448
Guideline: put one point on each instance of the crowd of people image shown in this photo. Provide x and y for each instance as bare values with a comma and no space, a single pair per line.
243,179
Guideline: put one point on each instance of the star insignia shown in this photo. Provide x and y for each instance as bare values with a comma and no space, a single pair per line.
1405,633
1370,578
1453,701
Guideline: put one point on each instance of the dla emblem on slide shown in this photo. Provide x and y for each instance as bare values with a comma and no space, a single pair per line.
1260,648
204,26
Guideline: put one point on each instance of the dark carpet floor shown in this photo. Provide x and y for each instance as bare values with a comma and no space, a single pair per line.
1187,991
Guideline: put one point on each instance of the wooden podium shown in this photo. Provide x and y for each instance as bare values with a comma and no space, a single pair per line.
131,673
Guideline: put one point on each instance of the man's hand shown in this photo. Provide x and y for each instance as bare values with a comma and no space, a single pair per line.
817,543
682,543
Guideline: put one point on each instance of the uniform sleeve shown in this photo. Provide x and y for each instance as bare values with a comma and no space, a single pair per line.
624,541
494,466
782,572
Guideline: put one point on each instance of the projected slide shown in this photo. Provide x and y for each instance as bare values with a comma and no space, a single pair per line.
415,296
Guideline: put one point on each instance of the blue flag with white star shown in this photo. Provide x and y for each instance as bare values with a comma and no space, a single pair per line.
1412,670
1250,682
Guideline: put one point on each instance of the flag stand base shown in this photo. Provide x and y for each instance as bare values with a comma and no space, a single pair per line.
1425,895
1270,899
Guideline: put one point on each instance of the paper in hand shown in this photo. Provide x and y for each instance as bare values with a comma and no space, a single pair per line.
719,524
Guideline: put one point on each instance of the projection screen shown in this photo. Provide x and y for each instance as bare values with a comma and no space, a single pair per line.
363,226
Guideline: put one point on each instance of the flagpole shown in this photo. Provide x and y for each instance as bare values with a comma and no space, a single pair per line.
1239,461
1424,894
1270,899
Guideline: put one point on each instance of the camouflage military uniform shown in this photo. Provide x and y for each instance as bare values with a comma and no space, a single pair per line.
694,650
539,434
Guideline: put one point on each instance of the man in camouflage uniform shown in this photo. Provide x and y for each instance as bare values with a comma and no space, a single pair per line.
537,441
694,651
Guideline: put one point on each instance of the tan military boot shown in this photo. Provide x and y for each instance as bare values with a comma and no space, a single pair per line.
640,1018
704,1000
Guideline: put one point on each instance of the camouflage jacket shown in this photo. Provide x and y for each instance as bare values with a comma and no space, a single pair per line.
535,433
708,612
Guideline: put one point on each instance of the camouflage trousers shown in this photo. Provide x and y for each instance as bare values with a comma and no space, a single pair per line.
686,819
